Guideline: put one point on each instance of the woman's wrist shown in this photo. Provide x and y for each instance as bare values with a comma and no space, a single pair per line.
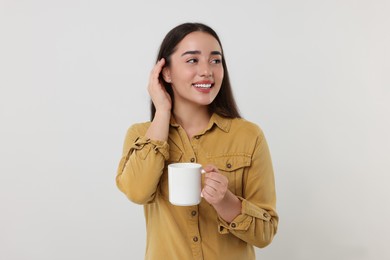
163,113
229,207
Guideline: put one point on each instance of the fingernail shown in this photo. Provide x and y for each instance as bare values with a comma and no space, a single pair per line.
202,171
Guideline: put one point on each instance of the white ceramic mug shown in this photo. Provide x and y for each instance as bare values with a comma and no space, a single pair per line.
184,183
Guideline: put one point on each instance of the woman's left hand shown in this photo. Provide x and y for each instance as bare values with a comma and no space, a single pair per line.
215,185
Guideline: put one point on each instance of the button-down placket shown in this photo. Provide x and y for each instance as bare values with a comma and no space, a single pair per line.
195,145
189,148
194,233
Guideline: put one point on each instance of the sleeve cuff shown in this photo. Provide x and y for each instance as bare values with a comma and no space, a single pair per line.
243,221
145,145
240,223
251,209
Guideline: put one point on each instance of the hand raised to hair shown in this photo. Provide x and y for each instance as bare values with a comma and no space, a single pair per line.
160,97
215,185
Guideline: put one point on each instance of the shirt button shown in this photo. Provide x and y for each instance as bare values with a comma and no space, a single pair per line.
192,159
193,213
195,239
233,225
265,215
229,165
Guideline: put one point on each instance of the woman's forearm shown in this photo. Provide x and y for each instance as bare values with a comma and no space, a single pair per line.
159,128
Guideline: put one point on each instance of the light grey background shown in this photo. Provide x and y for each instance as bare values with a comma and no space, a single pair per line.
73,74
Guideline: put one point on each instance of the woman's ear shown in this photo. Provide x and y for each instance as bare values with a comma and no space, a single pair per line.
166,73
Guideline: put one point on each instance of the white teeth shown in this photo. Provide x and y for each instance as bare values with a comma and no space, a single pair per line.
202,85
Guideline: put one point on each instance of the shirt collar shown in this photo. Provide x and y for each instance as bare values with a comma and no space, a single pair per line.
222,122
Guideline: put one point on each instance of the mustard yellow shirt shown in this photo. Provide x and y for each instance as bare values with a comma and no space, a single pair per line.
240,151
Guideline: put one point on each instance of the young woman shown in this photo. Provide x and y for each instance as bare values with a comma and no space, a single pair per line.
194,119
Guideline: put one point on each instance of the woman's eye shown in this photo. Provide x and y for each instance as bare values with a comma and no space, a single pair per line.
192,61
216,61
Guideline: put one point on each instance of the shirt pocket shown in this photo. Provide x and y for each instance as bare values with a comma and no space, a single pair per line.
233,167
174,157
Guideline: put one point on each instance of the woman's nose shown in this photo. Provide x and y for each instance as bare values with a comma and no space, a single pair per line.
205,70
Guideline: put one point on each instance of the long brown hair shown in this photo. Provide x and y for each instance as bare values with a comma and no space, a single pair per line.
224,103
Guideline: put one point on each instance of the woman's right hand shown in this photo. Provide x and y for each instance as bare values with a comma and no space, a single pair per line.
160,97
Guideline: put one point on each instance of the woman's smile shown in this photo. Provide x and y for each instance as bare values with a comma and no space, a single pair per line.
203,86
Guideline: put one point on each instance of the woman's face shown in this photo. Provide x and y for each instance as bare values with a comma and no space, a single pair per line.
196,70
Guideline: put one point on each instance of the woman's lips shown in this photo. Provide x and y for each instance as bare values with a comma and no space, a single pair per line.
203,85
203,88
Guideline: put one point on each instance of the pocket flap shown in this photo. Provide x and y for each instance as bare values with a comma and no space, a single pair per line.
231,162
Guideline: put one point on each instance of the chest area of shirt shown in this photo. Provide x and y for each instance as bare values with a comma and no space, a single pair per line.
231,155
213,144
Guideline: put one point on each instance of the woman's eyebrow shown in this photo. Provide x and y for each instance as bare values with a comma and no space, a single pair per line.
199,52
216,53
191,53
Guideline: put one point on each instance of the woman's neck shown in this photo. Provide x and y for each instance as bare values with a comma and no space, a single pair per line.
192,120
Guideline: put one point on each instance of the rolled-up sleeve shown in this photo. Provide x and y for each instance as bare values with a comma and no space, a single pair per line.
257,224
141,165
